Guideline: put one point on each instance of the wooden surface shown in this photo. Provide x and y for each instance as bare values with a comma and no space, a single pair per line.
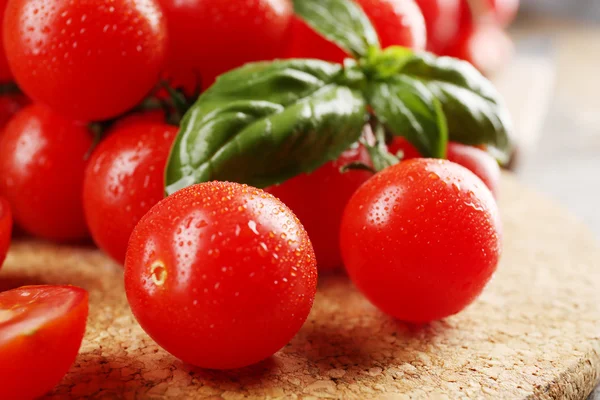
535,333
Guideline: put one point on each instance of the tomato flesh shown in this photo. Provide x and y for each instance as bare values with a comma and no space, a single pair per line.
41,329
123,180
421,239
221,275
42,162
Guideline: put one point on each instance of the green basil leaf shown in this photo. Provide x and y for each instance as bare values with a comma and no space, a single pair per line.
265,123
341,21
474,111
408,108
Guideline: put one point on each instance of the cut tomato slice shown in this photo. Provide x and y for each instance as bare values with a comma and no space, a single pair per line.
41,329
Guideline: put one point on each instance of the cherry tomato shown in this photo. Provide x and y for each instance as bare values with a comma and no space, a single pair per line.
41,329
5,74
403,148
5,229
42,159
473,158
123,180
397,22
484,45
9,105
442,18
151,116
321,211
505,10
479,162
210,37
221,275
87,59
421,239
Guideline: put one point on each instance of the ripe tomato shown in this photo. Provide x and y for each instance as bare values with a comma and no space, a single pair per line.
397,22
123,180
321,211
5,74
477,161
5,229
474,159
87,59
210,37
442,18
505,10
41,172
421,239
9,105
41,329
221,275
400,144
485,45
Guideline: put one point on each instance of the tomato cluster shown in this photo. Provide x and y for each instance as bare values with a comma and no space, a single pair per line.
222,275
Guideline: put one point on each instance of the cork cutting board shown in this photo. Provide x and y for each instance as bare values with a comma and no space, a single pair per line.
535,333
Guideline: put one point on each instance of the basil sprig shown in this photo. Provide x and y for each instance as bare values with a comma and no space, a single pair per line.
266,122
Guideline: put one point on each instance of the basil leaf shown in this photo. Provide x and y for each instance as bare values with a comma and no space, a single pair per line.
341,21
408,108
474,110
265,123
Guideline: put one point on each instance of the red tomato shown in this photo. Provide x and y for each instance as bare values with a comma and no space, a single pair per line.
397,22
442,18
210,37
151,116
479,162
123,180
318,200
484,45
473,158
87,59
5,229
5,74
421,239
41,329
505,10
42,159
403,146
9,105
221,275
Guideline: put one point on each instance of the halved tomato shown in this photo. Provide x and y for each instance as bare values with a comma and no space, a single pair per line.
41,329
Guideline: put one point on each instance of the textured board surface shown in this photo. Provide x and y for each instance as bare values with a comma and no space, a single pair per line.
534,333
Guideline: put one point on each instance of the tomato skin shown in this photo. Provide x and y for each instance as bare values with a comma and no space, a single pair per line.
5,73
473,158
5,228
485,45
442,18
40,342
505,10
397,22
318,200
75,56
9,105
42,160
479,162
421,239
400,144
202,43
123,180
221,275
